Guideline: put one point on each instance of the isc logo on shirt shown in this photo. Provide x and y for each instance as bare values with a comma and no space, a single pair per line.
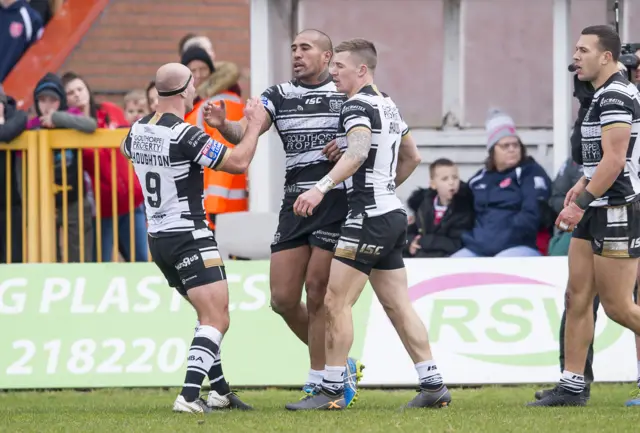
212,149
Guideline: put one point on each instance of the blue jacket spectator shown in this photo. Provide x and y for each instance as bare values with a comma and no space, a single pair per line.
510,197
20,27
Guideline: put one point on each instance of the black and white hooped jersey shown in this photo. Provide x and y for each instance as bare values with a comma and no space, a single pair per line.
306,118
616,102
169,156
373,190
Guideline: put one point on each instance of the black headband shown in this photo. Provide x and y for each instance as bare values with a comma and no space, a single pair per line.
177,91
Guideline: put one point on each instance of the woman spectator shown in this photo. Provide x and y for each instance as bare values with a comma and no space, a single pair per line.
511,197
110,116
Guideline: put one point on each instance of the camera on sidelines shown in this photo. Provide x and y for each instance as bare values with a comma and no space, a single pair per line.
630,60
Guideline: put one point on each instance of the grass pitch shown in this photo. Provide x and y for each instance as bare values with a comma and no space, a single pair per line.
489,409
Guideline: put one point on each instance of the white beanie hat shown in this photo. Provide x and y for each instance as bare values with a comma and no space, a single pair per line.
499,125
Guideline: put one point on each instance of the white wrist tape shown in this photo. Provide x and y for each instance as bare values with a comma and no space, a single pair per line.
326,184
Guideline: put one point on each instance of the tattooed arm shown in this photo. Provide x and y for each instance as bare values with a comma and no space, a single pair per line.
358,146
356,119
233,131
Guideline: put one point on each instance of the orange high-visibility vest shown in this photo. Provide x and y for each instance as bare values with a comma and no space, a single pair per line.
223,192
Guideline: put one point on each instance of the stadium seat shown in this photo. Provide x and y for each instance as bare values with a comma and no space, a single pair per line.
246,234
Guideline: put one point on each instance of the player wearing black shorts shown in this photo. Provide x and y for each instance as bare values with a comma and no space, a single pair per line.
602,210
168,156
305,112
380,155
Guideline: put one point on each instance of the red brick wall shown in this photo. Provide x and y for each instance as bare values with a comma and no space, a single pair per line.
132,39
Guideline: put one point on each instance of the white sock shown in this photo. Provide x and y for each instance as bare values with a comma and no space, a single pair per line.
638,374
428,374
315,377
333,380
572,382
197,326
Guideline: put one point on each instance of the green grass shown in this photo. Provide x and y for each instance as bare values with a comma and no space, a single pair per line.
489,409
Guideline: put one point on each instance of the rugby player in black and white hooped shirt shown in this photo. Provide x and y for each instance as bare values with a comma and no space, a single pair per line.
602,210
380,155
168,156
305,112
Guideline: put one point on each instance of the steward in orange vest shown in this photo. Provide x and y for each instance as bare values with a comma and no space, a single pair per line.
223,192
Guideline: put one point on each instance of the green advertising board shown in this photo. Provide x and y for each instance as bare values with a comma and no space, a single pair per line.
119,324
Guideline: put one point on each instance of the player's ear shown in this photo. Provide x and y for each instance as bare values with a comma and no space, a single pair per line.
327,55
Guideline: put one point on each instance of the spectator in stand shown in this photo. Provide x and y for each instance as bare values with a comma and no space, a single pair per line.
46,8
20,27
223,192
135,105
52,112
192,40
201,67
13,122
510,197
110,116
442,213
152,97
568,176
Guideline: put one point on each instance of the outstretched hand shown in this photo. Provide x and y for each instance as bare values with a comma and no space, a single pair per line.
255,112
215,113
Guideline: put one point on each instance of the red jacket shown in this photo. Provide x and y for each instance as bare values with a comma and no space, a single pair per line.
110,116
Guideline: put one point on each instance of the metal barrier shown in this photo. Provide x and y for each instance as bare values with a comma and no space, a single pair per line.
61,217
21,157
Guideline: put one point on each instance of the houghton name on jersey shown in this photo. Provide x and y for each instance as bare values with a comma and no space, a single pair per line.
617,101
169,157
373,190
306,118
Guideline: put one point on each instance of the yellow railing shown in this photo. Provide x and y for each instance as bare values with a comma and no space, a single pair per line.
45,232
21,156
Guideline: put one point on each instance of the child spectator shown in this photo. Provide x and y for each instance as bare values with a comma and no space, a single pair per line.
442,213
135,105
53,112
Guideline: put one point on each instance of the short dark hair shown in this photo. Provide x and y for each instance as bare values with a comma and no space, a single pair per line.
440,162
184,40
363,48
324,41
608,39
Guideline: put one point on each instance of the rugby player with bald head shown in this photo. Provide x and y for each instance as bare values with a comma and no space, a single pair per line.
169,156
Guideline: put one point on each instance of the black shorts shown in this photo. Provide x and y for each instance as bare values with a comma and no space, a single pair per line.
187,260
373,243
613,231
321,229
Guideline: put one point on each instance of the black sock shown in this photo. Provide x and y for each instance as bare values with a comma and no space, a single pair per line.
199,361
216,378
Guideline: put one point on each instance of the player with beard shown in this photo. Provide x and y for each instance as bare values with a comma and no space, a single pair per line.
305,112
